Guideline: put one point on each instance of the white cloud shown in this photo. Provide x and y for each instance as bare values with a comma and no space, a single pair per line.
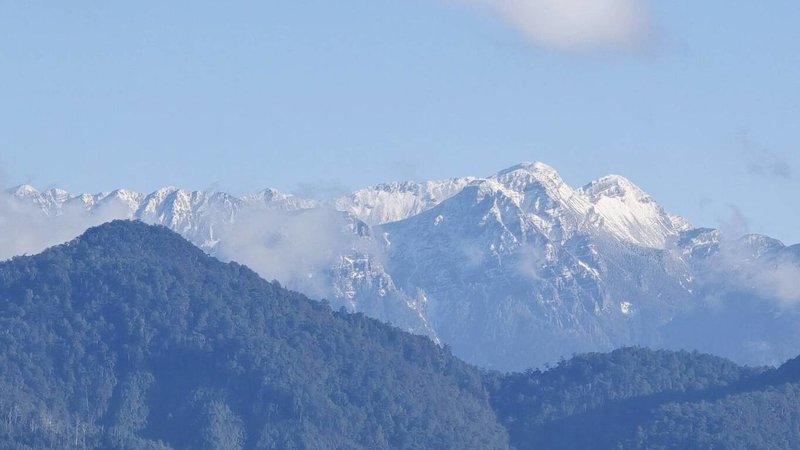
779,281
25,229
758,268
296,248
574,25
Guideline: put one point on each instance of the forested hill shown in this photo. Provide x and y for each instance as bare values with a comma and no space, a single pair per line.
130,337
639,398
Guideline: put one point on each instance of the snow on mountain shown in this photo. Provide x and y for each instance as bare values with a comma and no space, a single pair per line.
128,201
611,204
554,207
512,270
197,215
273,199
629,214
512,278
48,201
390,202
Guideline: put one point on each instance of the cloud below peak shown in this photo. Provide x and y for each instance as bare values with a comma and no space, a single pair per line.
574,25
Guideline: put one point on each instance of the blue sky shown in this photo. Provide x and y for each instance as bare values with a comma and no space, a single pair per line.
697,102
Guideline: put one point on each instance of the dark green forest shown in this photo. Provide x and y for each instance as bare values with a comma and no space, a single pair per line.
129,337
639,398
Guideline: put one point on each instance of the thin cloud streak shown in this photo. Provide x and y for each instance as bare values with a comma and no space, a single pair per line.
763,162
771,166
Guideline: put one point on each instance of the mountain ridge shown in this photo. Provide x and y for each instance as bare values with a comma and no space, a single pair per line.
491,265
395,200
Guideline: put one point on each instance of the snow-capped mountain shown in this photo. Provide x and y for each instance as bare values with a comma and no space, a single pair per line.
511,270
391,202
518,265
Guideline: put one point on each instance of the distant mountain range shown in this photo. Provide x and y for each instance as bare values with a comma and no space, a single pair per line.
513,270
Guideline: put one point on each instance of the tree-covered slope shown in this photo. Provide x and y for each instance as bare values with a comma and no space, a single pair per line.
130,337
638,398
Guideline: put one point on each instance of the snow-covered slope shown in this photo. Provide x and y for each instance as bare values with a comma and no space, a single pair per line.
610,205
512,270
621,208
390,202
49,201
555,208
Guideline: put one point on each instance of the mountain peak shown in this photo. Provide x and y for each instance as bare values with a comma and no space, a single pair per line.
545,198
24,190
274,199
166,190
539,178
265,195
56,192
134,231
623,209
614,186
122,236
537,169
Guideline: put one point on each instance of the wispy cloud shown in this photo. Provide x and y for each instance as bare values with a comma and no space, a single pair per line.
25,229
779,281
760,266
770,165
532,259
764,163
575,25
754,263
734,224
298,248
